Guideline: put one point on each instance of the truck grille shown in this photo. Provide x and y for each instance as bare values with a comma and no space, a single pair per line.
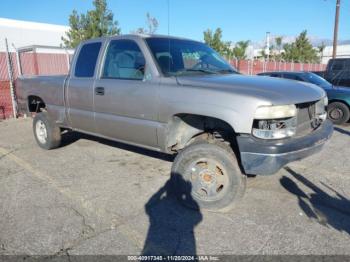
307,117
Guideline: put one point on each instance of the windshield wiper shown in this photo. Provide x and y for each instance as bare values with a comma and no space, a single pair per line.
206,71
227,71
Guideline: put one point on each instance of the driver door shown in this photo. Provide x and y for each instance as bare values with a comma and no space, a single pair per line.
124,102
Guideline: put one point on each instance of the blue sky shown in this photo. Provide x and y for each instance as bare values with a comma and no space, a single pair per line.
239,19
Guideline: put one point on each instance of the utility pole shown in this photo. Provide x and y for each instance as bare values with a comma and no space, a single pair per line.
336,25
267,47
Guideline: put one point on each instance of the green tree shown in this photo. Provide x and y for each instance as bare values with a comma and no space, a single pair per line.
213,39
152,26
278,42
239,51
321,48
95,23
263,53
301,50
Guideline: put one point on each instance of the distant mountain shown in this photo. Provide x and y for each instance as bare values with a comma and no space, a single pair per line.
315,41
327,42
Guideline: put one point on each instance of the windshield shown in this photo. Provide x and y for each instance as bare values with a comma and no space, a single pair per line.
185,57
317,80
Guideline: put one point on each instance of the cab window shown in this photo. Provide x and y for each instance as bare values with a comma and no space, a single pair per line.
124,60
86,62
337,65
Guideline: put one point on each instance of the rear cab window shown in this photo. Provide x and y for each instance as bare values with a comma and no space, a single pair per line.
87,60
338,64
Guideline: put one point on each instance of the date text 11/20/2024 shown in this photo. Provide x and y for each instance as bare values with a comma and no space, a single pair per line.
173,258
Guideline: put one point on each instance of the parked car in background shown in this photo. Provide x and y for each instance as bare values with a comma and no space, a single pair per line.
338,96
337,72
341,78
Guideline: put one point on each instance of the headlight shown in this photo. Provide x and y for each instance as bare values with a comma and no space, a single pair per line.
274,129
321,112
275,112
275,122
325,99
274,134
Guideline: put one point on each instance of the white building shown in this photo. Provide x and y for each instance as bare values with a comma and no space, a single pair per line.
24,33
343,51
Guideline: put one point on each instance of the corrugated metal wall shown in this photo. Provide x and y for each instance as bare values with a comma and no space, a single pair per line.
44,64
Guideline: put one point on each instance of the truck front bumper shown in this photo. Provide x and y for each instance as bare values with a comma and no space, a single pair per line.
266,157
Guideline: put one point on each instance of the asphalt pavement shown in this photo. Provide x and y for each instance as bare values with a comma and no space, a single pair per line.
93,196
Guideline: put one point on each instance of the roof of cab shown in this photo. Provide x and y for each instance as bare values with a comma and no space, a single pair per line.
137,36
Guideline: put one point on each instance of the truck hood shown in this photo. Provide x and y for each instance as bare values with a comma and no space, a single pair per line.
274,90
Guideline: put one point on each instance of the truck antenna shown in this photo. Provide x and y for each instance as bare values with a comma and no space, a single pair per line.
168,17
169,33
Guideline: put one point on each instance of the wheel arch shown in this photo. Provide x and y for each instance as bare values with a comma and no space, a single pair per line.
184,127
35,103
339,101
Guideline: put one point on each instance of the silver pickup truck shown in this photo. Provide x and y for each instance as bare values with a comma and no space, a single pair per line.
178,96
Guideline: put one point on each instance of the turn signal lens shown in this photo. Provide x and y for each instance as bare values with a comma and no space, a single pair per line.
275,112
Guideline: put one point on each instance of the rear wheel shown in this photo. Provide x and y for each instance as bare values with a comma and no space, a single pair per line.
47,134
338,113
207,176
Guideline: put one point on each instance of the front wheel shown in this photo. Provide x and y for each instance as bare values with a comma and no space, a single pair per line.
338,113
47,134
207,176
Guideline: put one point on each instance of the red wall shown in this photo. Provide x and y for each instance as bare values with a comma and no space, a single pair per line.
255,67
5,100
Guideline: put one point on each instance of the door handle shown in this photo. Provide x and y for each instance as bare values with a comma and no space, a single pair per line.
100,91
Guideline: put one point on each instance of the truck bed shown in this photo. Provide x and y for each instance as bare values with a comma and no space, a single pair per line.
49,88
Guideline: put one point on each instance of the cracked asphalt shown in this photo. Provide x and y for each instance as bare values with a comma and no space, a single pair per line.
92,196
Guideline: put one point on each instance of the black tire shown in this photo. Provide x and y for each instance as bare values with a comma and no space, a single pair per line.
195,183
338,113
42,124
